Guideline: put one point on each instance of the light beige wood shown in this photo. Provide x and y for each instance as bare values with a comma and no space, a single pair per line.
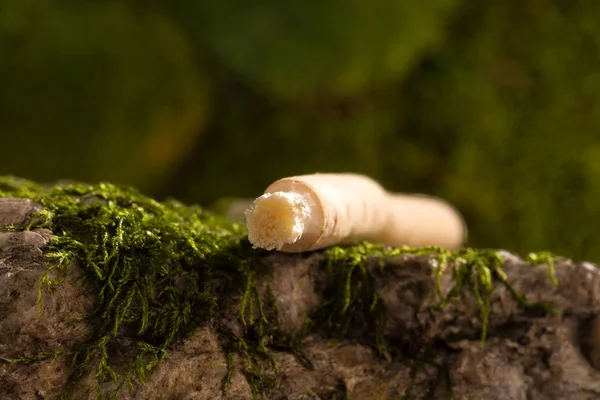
350,208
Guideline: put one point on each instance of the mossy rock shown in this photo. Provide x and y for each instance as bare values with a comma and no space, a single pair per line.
130,290
96,91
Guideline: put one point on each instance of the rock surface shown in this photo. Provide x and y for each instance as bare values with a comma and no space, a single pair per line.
528,354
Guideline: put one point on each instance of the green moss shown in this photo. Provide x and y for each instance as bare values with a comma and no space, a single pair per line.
162,270
261,330
352,305
353,300
159,267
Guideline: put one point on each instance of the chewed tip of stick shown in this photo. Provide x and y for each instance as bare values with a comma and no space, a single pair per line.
276,219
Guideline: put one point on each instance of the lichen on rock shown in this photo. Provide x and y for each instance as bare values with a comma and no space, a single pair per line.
107,293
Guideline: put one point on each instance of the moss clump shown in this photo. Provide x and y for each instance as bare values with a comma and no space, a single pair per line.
162,270
160,267
352,300
352,304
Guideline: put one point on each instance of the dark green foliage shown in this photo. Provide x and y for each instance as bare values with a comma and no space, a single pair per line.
516,113
284,145
95,91
298,49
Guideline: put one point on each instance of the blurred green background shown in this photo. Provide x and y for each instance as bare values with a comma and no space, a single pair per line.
493,105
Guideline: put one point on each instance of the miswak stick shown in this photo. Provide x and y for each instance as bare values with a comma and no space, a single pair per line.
310,212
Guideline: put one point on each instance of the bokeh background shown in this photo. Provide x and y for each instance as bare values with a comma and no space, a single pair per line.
493,105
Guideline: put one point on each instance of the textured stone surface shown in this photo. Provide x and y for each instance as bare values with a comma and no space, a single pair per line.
17,212
528,354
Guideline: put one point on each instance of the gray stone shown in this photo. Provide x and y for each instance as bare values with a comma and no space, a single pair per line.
528,354
17,212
